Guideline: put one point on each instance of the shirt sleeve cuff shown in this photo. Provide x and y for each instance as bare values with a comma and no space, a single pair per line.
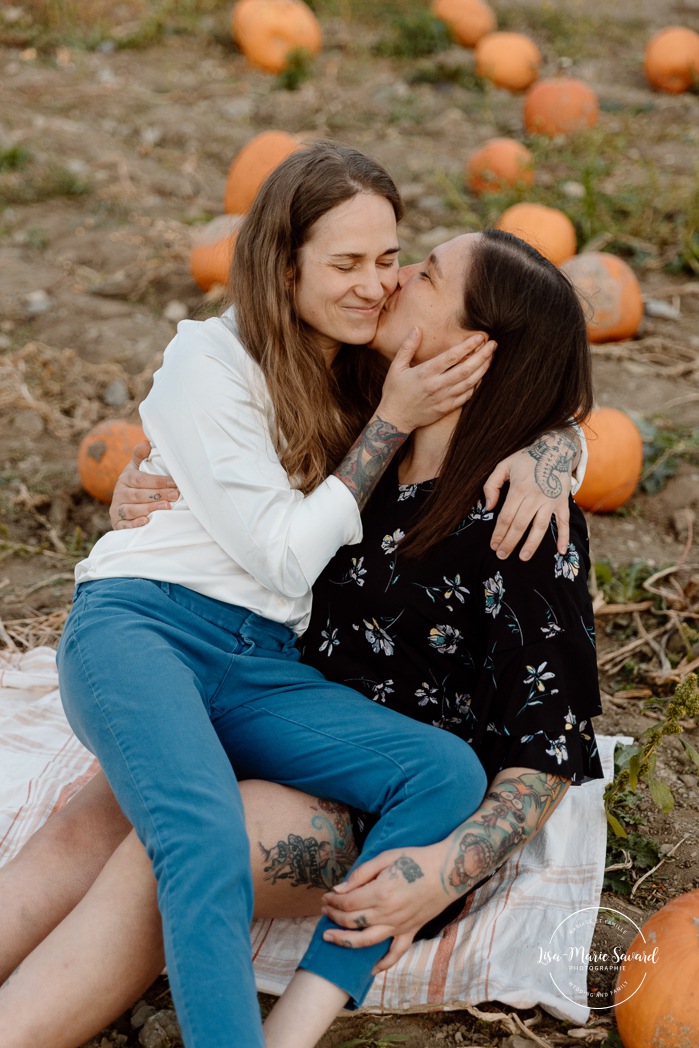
579,471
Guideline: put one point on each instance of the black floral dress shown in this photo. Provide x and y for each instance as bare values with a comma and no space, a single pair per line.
502,653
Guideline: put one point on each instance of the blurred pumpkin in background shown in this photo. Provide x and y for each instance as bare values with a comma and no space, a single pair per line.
615,460
251,165
560,106
547,229
609,288
268,31
103,453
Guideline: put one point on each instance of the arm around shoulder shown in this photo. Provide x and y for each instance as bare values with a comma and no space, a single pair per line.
541,478
210,417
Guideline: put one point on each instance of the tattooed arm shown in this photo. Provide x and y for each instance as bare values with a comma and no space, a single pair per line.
515,808
541,480
362,466
399,891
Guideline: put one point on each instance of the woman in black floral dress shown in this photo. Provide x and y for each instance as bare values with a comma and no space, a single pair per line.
500,652
424,616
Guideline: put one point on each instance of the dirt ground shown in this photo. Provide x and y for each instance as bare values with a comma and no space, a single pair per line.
111,155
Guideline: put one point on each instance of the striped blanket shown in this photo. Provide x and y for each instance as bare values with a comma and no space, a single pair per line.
492,953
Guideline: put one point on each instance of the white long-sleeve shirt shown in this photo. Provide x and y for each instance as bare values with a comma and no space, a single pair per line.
240,532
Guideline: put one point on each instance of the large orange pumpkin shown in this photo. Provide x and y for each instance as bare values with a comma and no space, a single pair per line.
547,229
267,31
672,60
500,163
664,1010
103,453
609,287
509,60
560,106
211,257
615,462
251,166
468,20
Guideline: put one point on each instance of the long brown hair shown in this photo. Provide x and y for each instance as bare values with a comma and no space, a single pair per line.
319,410
540,377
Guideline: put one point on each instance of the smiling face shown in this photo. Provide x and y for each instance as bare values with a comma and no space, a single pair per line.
430,296
347,268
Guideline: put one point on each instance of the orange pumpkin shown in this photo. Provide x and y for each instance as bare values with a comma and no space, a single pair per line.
609,286
560,106
615,462
103,453
211,257
267,31
251,166
510,60
664,1010
468,20
671,60
548,230
500,163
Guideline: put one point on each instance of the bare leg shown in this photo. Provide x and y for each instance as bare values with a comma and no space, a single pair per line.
55,868
119,923
304,1012
108,950
309,1004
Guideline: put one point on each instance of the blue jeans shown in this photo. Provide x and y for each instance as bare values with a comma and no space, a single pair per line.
172,691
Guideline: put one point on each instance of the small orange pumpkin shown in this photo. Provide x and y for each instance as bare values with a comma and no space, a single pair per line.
211,256
547,229
609,286
500,163
671,60
560,106
664,1010
251,166
615,460
103,453
468,20
267,31
509,60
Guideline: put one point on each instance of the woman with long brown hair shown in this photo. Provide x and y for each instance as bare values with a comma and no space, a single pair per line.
205,605
423,616
501,654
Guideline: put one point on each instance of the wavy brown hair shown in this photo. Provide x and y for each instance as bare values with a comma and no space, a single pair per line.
540,377
319,411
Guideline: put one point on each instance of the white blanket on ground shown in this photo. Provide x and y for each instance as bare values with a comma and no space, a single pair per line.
492,953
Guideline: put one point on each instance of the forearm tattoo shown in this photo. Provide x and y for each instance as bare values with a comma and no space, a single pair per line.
315,861
511,812
554,453
368,457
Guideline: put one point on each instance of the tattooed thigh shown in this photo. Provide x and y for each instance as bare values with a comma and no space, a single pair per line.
318,858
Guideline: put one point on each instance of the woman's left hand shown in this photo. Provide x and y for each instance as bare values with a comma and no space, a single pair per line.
137,495
540,479
392,895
